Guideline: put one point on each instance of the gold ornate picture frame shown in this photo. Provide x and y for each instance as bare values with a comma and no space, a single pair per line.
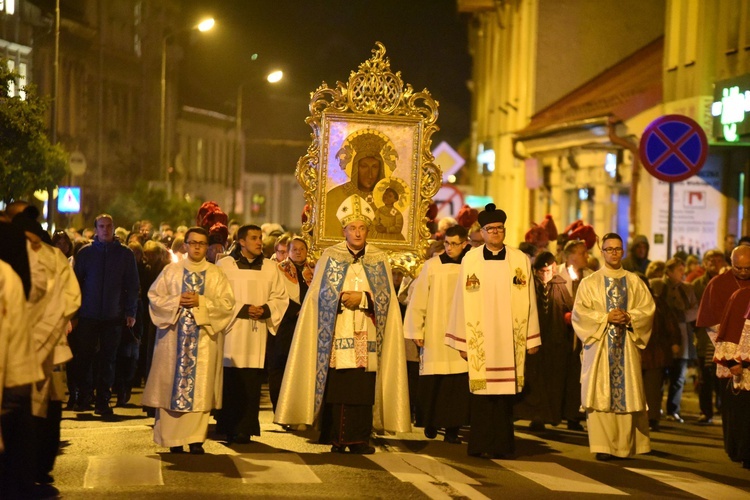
372,137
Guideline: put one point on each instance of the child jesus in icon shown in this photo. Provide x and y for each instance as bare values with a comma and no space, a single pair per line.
389,222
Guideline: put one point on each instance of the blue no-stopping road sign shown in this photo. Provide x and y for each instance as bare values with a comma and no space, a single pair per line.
673,148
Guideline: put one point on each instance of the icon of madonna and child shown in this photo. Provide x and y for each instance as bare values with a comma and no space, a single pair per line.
369,159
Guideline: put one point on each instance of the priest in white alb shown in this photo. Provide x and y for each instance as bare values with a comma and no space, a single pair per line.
261,301
191,304
494,324
612,316
443,387
347,367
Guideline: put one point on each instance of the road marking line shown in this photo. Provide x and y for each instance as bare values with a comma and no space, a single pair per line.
432,477
273,468
555,477
693,484
123,470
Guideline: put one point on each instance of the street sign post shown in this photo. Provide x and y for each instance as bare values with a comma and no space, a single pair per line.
672,149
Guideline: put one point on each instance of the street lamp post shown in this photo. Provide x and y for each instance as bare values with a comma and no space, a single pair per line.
203,26
272,77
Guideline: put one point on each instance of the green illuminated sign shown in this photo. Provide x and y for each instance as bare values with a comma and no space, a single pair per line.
731,104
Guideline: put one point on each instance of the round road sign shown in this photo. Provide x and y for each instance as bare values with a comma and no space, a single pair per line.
673,148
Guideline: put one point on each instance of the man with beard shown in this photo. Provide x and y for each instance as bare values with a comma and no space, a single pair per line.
261,303
612,316
724,312
191,304
443,387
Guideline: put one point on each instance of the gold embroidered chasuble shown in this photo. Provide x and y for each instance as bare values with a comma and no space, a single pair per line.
611,368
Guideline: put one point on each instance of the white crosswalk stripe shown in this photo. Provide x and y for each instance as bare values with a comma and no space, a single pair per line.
432,477
694,484
555,477
123,470
274,468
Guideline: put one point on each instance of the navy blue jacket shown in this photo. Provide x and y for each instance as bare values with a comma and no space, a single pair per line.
109,281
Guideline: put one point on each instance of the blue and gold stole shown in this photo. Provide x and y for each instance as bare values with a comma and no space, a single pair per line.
183,387
328,303
616,290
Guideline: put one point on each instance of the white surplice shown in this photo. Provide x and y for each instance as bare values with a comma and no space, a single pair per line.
611,384
18,365
48,318
427,317
494,320
245,341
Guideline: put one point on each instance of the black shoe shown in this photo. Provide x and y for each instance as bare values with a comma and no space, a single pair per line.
704,420
104,410
45,479
654,425
536,426
72,403
82,406
196,449
746,464
44,491
338,449
574,425
176,449
603,457
430,432
238,438
361,449
452,439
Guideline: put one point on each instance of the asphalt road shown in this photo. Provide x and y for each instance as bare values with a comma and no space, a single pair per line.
118,459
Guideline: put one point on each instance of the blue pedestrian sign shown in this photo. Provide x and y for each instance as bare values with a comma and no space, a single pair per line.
673,148
69,200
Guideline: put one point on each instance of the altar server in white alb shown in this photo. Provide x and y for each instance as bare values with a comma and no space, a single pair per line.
347,363
612,316
494,323
48,319
261,302
443,387
191,304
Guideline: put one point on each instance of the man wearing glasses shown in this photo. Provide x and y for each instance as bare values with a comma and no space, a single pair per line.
493,323
442,393
191,304
612,316
723,312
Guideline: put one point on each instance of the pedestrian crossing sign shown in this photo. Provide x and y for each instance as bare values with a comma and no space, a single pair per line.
69,200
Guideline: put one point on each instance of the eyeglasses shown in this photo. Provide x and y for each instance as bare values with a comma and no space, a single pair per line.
197,244
612,250
450,244
494,229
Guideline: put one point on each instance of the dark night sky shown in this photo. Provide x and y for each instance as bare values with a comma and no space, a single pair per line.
316,41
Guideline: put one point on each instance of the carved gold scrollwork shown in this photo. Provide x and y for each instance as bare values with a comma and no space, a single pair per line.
375,91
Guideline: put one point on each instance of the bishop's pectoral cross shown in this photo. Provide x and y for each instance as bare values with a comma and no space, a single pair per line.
357,280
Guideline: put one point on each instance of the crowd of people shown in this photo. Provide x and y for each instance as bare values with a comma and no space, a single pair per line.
484,335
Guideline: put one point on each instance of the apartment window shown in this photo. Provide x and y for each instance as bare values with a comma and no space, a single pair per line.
22,80
8,6
11,82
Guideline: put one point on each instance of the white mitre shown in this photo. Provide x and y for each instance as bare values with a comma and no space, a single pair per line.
355,208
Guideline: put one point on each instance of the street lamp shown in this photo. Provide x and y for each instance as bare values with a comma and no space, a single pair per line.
273,77
203,26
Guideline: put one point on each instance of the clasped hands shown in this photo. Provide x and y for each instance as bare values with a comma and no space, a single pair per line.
189,299
618,317
351,300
